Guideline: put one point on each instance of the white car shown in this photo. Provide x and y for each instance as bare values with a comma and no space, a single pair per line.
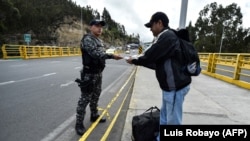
127,51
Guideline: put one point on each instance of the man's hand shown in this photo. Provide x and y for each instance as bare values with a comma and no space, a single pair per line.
117,57
129,60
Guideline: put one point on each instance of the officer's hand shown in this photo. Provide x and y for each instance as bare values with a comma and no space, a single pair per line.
117,57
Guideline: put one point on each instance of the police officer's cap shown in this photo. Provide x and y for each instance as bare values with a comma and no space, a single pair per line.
97,22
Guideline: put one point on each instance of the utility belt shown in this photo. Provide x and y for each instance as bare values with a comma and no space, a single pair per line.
87,70
92,70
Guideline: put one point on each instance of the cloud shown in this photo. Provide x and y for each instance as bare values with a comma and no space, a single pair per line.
133,14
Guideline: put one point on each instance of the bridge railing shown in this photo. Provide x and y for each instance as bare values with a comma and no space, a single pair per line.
230,67
27,52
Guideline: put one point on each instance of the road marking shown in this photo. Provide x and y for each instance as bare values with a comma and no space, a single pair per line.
66,84
111,125
61,128
36,77
51,136
48,74
26,79
93,125
76,68
67,135
5,83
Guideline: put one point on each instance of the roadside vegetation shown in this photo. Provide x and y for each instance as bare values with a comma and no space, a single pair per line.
218,28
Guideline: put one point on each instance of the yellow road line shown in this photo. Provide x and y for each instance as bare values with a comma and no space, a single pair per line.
93,125
106,134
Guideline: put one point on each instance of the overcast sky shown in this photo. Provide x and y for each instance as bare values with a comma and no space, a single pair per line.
133,14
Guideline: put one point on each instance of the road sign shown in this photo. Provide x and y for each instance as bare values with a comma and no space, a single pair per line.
140,49
27,38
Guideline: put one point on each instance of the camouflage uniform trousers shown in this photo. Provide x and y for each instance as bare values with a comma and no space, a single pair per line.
90,93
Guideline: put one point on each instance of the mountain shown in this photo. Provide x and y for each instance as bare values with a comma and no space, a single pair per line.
57,23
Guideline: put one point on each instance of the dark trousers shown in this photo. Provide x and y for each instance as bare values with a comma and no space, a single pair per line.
90,93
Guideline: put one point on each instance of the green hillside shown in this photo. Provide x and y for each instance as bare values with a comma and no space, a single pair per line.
43,18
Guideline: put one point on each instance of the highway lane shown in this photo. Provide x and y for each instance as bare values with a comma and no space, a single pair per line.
39,95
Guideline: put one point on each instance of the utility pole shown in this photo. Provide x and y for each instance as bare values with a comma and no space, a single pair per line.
222,36
81,20
183,14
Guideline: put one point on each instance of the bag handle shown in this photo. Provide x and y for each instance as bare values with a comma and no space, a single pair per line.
152,108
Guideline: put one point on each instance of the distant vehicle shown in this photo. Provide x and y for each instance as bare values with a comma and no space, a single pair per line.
133,46
127,51
111,50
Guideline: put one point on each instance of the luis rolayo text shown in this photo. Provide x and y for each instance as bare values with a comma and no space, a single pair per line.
221,132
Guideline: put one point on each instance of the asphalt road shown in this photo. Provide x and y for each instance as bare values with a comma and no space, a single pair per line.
39,98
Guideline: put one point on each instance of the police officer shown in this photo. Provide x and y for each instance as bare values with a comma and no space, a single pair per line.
93,60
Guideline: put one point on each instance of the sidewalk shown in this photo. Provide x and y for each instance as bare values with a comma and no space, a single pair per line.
209,101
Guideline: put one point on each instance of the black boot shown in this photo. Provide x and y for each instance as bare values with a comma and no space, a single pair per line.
94,117
80,129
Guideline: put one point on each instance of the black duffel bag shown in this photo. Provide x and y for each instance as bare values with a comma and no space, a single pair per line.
145,127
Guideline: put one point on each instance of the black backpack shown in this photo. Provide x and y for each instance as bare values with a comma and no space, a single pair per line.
190,55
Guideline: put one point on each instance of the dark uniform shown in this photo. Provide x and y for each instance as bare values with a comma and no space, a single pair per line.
93,60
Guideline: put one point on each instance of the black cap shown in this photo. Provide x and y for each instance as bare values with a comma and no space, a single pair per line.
96,22
156,17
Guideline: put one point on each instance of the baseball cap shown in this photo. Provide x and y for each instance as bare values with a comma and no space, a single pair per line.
156,17
96,22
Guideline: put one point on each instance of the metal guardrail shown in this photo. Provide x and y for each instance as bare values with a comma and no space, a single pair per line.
230,67
28,52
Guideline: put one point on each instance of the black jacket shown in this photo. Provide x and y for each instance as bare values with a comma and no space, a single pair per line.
165,56
93,54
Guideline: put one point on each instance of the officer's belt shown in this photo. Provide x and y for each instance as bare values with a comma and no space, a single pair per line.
89,69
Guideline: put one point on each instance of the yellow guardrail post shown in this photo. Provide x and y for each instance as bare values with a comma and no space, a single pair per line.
21,52
209,63
74,51
214,60
33,50
4,51
50,51
43,53
238,67
57,51
25,52
68,50
61,51
39,52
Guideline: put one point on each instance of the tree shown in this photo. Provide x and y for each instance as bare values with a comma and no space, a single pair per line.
9,15
43,18
219,28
